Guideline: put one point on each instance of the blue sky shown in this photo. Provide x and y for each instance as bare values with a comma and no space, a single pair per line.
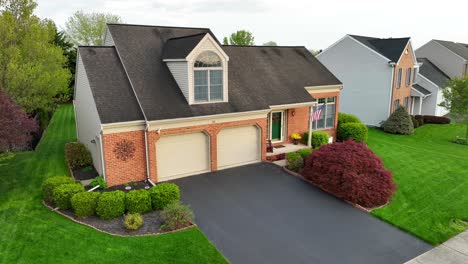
314,24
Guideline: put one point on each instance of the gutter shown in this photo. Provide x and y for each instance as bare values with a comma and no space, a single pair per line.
148,178
393,65
103,165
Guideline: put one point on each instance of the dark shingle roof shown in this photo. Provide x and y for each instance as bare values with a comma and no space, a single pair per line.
113,95
391,48
420,89
179,48
431,72
258,76
458,48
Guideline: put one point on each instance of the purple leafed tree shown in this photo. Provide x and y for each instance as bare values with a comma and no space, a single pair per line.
15,125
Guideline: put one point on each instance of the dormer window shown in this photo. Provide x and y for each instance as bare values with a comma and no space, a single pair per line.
208,77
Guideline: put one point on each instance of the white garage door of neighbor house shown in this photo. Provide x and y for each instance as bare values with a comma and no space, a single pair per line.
182,155
238,146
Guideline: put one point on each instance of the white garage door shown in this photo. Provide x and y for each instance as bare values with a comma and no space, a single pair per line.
238,146
182,155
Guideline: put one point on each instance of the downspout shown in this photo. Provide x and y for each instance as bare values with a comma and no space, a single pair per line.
102,154
148,178
393,65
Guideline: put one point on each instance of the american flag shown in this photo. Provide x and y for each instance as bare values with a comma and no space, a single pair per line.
316,115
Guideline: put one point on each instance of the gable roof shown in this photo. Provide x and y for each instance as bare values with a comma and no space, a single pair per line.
180,48
284,71
391,48
458,48
431,72
421,90
113,95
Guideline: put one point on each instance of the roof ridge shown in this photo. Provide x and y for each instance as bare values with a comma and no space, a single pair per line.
140,25
188,36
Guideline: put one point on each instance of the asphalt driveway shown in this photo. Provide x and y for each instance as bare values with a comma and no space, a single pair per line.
260,214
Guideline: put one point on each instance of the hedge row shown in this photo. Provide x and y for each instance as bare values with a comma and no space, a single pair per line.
429,119
351,127
319,138
64,193
296,159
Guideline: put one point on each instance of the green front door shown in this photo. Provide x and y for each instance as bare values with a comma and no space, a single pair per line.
276,120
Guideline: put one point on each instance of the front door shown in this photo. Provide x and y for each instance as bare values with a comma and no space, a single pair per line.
276,126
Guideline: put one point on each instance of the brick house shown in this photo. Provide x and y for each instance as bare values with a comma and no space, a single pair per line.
378,74
159,103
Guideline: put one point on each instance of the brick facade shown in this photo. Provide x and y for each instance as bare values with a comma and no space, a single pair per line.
406,61
119,171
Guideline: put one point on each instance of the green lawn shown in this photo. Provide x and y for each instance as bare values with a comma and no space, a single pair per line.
432,178
30,233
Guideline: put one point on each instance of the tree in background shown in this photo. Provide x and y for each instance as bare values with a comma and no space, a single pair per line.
32,68
89,28
270,43
240,38
69,50
16,126
456,100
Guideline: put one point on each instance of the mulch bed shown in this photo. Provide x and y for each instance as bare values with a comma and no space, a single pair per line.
86,173
151,223
134,186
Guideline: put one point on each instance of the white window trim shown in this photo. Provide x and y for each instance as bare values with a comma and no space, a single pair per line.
282,129
208,69
314,128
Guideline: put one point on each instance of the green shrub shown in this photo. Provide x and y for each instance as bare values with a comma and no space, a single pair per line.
62,194
344,118
50,183
428,119
84,203
164,193
77,155
420,119
399,122
138,201
99,180
111,205
355,131
304,153
176,216
133,221
295,161
319,138
415,122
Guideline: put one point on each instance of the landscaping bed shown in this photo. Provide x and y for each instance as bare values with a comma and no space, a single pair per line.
86,173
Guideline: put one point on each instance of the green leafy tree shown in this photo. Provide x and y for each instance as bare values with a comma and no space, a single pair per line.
456,99
89,28
270,43
240,38
69,50
32,68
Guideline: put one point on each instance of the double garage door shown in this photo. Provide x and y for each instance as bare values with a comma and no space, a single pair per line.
188,154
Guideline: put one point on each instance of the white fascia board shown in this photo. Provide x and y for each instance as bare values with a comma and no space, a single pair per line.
207,37
288,106
412,52
325,88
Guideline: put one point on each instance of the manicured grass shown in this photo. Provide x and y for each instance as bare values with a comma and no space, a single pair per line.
432,178
30,233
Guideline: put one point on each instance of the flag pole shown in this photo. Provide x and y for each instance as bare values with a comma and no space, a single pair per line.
309,140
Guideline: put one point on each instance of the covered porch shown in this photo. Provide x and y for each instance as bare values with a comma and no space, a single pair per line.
418,94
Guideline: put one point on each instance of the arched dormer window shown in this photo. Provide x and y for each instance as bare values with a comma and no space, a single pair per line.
208,77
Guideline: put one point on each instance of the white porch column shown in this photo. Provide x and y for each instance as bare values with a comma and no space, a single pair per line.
420,104
412,104
309,139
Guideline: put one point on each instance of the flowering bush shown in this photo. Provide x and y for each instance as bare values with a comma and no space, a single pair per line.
351,171
295,136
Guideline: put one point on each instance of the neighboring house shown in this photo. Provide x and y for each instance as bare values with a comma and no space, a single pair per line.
427,90
450,57
377,74
160,103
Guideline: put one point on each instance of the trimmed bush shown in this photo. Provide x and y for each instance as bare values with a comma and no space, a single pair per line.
399,122
295,161
304,152
50,183
344,118
62,194
133,221
415,122
138,201
319,138
99,180
351,171
354,131
428,119
420,119
77,155
176,216
84,203
164,193
111,205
